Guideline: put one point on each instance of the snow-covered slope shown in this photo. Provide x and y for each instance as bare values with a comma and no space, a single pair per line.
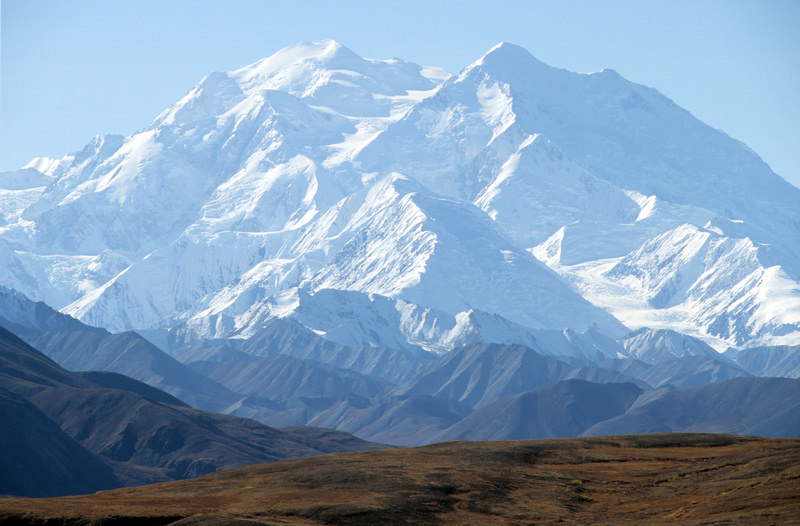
585,170
654,346
381,203
699,282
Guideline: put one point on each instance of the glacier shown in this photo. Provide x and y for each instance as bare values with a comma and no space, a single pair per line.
381,203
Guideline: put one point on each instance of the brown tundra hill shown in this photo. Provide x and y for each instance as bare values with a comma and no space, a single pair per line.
636,479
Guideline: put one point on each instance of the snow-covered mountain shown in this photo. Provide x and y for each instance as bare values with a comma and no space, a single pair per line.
380,203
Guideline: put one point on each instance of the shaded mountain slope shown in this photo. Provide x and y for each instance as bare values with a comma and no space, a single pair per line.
131,355
565,409
687,371
750,406
137,433
393,365
405,420
28,319
780,360
38,459
80,347
280,377
126,383
167,441
479,374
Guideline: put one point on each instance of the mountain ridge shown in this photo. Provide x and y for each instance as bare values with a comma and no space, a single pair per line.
316,169
66,433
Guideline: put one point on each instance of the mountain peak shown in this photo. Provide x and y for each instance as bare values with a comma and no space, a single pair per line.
284,174
318,49
506,49
321,52
509,63
334,77
505,54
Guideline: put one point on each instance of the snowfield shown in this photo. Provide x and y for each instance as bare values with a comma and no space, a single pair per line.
380,203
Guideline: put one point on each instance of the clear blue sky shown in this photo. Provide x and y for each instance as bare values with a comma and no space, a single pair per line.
73,68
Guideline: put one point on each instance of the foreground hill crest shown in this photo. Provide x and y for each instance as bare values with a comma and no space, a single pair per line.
642,479
319,186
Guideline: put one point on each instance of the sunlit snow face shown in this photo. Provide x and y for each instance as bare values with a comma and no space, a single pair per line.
316,170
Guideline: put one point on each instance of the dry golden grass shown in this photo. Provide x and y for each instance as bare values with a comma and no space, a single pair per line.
643,479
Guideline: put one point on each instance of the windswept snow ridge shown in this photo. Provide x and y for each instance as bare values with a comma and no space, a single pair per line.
380,203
